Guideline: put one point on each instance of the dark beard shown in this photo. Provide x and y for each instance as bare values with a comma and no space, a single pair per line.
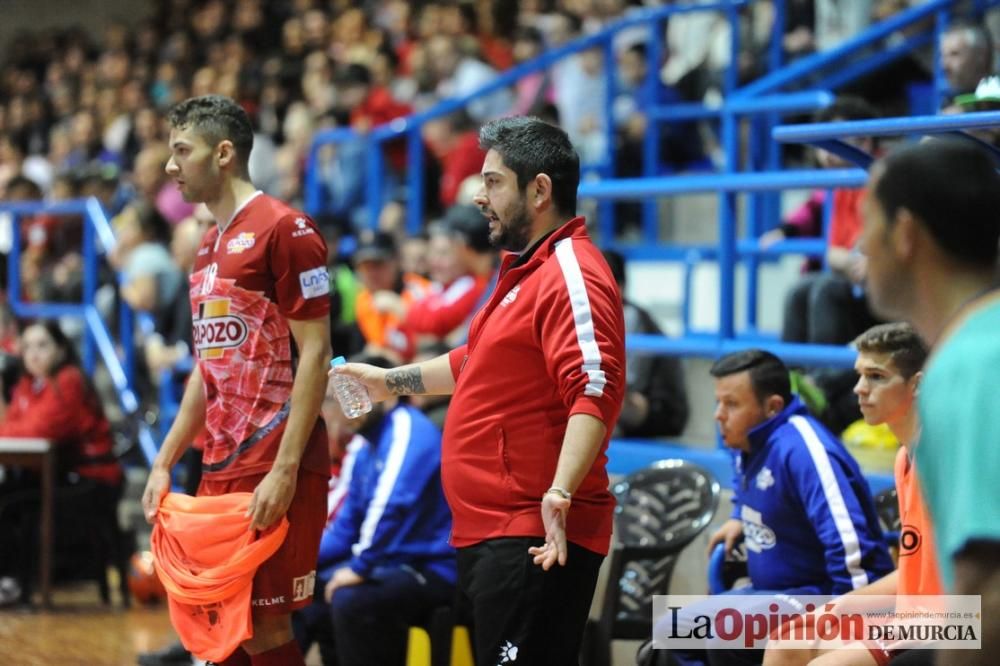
514,236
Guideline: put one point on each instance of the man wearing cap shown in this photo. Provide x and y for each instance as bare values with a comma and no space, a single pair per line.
986,97
445,313
388,293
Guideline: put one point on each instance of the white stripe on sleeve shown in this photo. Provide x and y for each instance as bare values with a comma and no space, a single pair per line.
401,426
457,289
835,500
340,485
582,317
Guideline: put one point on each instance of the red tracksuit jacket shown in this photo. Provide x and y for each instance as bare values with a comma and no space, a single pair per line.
550,343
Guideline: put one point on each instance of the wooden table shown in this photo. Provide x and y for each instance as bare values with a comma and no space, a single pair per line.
36,453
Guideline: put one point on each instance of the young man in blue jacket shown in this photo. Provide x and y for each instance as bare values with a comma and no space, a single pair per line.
384,560
801,504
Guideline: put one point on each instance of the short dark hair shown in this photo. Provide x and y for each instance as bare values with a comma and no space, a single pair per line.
529,146
768,374
953,189
30,188
354,74
529,33
216,118
900,341
849,107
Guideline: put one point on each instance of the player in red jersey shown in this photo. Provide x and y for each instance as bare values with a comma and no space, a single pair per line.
259,297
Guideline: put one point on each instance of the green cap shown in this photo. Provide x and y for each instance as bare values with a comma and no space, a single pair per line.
988,91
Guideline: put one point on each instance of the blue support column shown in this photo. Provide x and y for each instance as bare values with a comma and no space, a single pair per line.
758,138
772,201
126,338
728,201
651,141
374,175
312,187
940,83
606,208
775,51
14,264
89,289
415,177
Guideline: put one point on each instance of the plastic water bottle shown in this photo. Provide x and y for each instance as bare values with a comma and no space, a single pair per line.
351,394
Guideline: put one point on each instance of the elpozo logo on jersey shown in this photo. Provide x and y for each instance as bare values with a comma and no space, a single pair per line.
216,330
241,243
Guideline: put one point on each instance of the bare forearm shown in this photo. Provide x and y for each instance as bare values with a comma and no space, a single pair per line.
431,377
583,439
307,398
186,426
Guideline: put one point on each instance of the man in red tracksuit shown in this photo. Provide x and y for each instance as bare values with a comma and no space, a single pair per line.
536,393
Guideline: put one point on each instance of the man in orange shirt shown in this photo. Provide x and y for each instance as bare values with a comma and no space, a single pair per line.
386,296
890,358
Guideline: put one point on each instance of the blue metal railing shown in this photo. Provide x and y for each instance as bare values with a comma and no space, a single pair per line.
809,66
760,99
831,135
98,238
410,126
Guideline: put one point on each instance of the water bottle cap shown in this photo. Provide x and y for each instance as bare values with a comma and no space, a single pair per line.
340,360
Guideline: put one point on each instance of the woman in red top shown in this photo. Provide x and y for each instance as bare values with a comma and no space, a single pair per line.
54,399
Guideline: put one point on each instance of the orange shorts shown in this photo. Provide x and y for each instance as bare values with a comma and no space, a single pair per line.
285,582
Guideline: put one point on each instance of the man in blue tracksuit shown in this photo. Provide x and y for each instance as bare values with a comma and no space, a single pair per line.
801,504
384,560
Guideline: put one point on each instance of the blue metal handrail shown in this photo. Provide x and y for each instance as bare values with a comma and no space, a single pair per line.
886,127
797,102
830,136
98,238
634,188
712,347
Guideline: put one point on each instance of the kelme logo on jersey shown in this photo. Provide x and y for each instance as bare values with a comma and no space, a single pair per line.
303,228
216,330
241,243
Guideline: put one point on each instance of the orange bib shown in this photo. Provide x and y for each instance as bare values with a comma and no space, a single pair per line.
206,556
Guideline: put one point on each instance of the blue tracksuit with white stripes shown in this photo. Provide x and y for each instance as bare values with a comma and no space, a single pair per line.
394,514
808,516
